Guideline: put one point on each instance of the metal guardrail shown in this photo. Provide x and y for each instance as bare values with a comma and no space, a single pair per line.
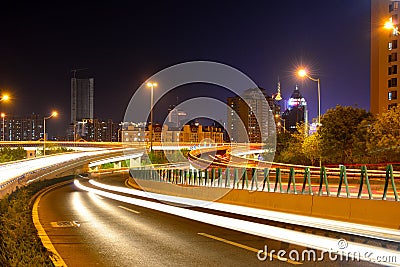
260,180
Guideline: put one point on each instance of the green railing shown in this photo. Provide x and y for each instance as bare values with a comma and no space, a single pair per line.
320,182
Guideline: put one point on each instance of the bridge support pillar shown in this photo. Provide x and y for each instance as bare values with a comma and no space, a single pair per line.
117,165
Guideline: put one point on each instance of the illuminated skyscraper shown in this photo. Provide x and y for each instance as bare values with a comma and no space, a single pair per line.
296,111
254,110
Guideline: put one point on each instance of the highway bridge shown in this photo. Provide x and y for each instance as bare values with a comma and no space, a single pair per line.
111,221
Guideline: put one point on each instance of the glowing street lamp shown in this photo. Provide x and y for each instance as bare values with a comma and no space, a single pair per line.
5,98
151,85
303,73
3,115
389,25
53,114
278,117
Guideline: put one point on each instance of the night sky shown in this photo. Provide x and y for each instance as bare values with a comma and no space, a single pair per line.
123,43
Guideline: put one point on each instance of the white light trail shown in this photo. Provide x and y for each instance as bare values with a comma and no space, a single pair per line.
114,159
326,224
366,252
13,170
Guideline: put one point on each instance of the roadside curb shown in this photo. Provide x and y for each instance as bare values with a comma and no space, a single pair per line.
55,257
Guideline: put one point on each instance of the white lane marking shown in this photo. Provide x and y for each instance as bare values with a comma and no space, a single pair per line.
125,208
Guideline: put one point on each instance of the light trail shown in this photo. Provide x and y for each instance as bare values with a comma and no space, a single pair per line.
9,172
365,252
325,224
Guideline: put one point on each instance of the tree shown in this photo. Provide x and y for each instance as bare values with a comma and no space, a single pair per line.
290,147
360,150
337,133
283,140
384,136
9,154
310,147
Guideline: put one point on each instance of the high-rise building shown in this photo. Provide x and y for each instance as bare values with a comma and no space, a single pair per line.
23,128
95,130
296,111
255,110
176,116
385,72
82,98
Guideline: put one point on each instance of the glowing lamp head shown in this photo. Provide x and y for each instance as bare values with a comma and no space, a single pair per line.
389,24
5,97
54,114
3,114
302,73
150,84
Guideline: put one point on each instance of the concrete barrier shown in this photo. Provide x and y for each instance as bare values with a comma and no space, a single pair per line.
362,211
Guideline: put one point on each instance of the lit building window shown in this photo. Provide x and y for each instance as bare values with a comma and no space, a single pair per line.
394,6
392,95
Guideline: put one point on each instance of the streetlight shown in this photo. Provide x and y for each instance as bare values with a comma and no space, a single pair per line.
390,26
151,85
277,116
3,116
53,114
5,98
303,73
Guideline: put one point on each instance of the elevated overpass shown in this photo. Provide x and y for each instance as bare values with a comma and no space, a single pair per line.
328,192
22,172
345,200
359,196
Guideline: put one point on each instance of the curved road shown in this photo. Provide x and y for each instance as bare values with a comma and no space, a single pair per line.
89,230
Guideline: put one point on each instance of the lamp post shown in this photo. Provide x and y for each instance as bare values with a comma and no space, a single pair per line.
4,97
151,85
277,116
303,73
53,114
284,124
3,116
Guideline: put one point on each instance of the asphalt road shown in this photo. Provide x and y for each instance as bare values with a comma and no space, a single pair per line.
88,230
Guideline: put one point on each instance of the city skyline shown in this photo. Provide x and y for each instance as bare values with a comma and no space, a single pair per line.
122,45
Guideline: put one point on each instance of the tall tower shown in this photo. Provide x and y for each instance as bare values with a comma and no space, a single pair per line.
255,109
82,94
296,111
385,73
